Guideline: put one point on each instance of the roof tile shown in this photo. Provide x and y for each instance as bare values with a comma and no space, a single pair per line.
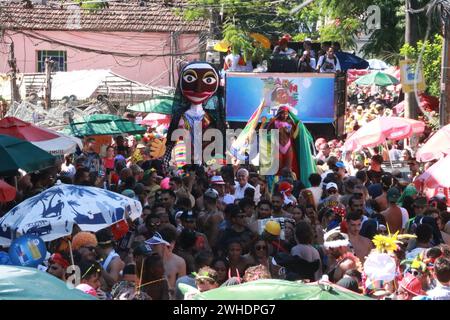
125,16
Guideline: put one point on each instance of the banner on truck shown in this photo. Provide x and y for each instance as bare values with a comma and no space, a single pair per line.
311,95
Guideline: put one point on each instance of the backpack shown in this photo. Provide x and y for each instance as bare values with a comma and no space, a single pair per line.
324,61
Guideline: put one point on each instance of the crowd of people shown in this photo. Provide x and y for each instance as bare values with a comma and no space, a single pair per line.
209,228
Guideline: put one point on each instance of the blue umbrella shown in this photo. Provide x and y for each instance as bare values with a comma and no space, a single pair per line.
52,213
350,61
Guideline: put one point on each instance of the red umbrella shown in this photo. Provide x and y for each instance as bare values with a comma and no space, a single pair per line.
7,192
436,147
437,175
354,74
428,103
377,131
156,119
48,140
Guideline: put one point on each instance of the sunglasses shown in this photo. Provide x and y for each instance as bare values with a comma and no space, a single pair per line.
90,248
189,221
260,248
241,216
332,191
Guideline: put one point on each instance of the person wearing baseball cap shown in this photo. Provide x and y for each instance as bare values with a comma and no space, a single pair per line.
410,287
331,188
188,220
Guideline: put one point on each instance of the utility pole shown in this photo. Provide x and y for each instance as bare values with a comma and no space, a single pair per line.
411,39
444,107
48,83
12,62
171,60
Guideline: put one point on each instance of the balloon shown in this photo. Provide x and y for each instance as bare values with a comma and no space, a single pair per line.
138,137
27,251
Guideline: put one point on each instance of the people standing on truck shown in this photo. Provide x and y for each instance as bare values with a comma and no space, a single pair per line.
328,63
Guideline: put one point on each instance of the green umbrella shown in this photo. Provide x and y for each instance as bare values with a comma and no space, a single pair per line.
378,78
22,283
160,104
102,124
20,154
280,290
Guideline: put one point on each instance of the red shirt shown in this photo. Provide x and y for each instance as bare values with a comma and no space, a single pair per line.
108,163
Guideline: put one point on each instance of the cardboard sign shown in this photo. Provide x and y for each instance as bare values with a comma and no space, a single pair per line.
408,76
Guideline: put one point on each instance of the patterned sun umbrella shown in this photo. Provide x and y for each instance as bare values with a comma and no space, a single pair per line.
52,213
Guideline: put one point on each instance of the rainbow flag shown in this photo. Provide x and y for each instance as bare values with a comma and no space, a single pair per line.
240,146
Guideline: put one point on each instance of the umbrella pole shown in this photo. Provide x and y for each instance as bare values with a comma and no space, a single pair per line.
389,155
71,252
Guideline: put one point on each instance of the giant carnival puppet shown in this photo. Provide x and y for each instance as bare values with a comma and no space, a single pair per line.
198,101
294,147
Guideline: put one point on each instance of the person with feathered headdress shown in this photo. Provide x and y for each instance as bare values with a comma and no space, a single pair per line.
381,270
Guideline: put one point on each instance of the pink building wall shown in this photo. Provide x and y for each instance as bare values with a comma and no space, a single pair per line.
147,70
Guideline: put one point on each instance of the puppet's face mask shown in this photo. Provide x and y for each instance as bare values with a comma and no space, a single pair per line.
199,81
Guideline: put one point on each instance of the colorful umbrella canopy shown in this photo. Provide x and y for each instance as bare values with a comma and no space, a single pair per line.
378,78
354,74
221,46
160,104
437,175
19,154
436,147
7,192
377,131
102,124
48,140
351,61
271,289
22,283
376,64
52,213
265,42
156,119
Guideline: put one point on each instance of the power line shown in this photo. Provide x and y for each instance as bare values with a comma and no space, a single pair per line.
115,53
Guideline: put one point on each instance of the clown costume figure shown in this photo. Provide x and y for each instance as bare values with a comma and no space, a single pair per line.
198,104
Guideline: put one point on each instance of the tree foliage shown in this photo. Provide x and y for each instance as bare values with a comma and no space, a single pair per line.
431,61
324,20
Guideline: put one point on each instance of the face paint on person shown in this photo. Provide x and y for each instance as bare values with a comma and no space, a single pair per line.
199,81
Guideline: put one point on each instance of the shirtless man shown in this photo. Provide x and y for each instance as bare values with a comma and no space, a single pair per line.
386,182
361,245
277,207
163,243
339,258
209,220
393,214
